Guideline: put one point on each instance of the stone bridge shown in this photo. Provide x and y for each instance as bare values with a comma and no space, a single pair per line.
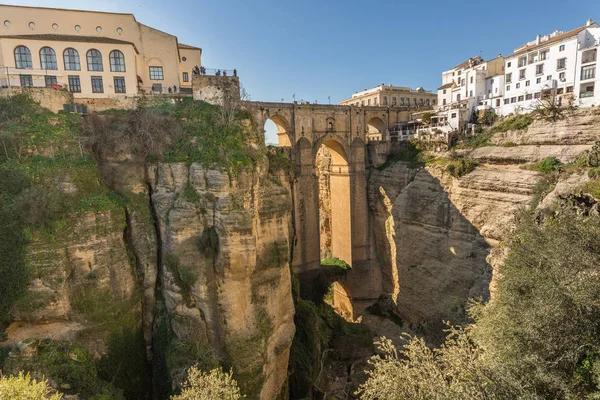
344,131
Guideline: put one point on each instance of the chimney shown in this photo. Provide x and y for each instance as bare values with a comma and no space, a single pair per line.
588,22
538,39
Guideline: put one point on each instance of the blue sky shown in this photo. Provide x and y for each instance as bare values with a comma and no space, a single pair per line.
320,48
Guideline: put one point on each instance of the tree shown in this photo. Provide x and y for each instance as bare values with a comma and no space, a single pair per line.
214,385
550,107
22,387
426,118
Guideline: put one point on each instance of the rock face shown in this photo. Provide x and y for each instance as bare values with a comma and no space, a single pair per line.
224,267
436,238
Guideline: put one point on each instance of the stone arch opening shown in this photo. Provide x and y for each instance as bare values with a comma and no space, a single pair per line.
276,131
375,129
338,297
335,230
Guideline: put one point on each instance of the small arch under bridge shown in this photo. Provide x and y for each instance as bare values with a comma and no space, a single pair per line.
345,131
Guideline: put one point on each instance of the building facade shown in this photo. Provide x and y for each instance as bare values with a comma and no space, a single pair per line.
560,65
393,96
470,86
92,54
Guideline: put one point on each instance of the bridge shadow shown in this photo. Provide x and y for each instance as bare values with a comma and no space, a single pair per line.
431,258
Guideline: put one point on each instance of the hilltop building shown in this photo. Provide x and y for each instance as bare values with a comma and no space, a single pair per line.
472,84
561,64
391,96
92,54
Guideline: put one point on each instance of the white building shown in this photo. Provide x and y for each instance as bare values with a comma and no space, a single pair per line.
560,63
471,85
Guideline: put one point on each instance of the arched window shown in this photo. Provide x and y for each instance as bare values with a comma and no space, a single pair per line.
48,58
23,57
71,58
94,60
117,61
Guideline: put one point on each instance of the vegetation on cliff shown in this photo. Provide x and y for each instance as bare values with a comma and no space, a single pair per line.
23,387
538,338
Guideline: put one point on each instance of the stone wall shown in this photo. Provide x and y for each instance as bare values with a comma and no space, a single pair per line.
213,89
124,103
51,99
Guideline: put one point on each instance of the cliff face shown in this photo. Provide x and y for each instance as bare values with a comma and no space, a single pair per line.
224,270
437,238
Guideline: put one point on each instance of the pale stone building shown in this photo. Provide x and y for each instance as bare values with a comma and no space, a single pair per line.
471,85
92,54
561,64
391,96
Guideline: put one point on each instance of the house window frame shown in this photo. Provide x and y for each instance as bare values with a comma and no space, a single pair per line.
22,59
117,61
94,60
27,79
97,84
153,72
186,77
118,87
74,83
50,80
71,59
48,60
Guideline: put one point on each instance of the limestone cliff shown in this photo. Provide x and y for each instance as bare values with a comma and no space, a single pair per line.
437,238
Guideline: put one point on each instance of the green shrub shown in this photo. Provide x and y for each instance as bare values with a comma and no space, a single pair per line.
547,165
184,278
22,387
335,262
410,152
38,205
215,384
461,166
512,123
208,242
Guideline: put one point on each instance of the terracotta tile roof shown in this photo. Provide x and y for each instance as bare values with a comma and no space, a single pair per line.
466,63
526,48
67,38
446,86
187,46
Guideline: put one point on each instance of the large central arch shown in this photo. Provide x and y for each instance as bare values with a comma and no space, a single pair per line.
335,220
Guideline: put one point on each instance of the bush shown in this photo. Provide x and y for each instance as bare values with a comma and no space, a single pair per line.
22,387
336,263
547,165
39,206
512,123
409,152
461,166
215,384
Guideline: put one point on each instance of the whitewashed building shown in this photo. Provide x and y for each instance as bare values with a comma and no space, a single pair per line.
560,63
473,84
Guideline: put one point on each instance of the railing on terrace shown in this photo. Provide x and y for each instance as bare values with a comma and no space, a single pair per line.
216,71
586,94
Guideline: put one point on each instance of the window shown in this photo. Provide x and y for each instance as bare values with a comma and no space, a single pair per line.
508,88
458,97
471,80
532,57
385,100
183,59
157,88
459,73
117,61
508,78
26,80
561,76
561,47
513,100
368,102
453,115
97,86
569,89
394,101
544,55
539,69
522,73
470,93
549,78
508,64
156,73
444,91
443,102
560,91
497,102
538,80
23,58
588,72
94,60
527,83
119,84
521,98
48,58
537,95
71,58
522,61
528,96
186,77
518,85
74,84
561,63
50,80
462,82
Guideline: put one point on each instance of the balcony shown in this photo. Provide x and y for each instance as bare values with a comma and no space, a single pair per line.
586,94
588,56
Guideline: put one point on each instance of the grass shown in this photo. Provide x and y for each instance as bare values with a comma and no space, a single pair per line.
408,152
547,165
457,166
512,123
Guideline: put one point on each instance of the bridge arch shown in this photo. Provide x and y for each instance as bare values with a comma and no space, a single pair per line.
332,170
339,297
283,129
376,128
